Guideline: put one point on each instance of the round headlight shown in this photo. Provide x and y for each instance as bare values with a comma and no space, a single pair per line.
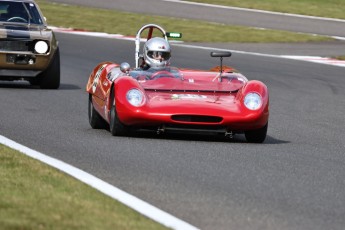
135,97
41,47
253,101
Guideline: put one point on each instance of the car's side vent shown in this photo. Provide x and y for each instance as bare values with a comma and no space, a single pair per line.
197,118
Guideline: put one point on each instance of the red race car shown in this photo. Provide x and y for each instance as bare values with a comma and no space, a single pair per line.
157,96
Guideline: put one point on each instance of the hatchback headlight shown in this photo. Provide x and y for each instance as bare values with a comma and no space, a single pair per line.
41,47
253,101
135,97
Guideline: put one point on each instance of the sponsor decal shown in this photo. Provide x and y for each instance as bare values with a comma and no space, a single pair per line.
188,96
113,74
97,76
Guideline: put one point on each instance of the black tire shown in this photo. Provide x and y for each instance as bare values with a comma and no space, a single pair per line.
95,120
34,81
257,135
116,128
50,78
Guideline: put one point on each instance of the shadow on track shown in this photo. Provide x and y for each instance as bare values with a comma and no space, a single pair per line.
202,137
26,85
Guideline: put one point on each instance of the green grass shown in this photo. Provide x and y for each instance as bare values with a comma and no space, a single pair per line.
36,196
118,22
340,58
322,8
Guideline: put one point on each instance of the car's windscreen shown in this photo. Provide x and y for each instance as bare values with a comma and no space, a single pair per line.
20,12
154,73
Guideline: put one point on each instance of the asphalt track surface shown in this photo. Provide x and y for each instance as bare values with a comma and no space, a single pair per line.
295,180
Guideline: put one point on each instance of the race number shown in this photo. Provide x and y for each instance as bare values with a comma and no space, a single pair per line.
96,79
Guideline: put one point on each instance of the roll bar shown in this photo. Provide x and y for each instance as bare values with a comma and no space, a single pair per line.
151,27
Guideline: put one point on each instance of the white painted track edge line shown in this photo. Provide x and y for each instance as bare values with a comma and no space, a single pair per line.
129,200
313,59
180,43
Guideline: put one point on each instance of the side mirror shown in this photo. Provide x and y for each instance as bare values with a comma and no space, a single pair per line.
221,54
125,67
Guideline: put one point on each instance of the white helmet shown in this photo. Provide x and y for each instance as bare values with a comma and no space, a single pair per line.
157,52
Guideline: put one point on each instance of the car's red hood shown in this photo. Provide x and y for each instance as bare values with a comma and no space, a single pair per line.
185,100
193,83
191,92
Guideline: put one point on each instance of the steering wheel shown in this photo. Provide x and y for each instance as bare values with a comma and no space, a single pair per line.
162,73
16,19
142,77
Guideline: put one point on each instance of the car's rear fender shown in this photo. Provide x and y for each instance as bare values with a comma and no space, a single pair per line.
98,71
99,87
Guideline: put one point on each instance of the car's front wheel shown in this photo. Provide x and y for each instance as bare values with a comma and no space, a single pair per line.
50,78
116,127
257,135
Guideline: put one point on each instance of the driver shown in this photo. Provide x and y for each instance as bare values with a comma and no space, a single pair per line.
157,53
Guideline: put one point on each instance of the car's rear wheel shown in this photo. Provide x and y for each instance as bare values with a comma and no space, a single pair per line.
50,78
95,120
257,135
116,127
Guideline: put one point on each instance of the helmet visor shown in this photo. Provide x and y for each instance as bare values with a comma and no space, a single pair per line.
158,55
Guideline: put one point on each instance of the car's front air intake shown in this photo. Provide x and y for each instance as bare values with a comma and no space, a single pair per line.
197,118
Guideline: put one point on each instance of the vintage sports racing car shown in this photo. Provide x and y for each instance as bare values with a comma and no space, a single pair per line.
220,100
28,49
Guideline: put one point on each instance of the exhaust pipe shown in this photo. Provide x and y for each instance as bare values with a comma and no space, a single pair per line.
161,129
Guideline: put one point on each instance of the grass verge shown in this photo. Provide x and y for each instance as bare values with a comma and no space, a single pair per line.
118,22
36,196
342,58
321,8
